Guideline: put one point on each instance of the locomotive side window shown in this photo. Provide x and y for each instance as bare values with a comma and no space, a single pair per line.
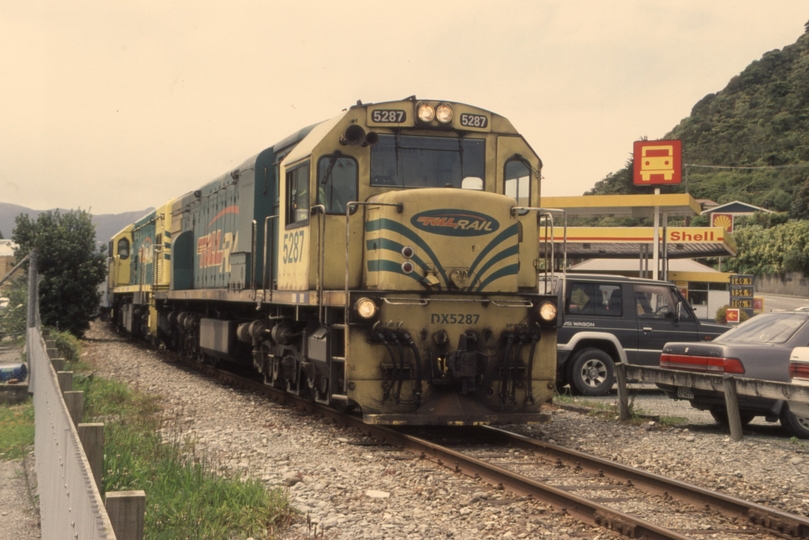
298,194
336,182
123,248
408,161
518,181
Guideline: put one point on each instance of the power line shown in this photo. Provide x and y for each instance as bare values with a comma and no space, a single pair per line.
799,165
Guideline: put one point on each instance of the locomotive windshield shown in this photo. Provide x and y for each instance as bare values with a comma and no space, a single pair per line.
416,162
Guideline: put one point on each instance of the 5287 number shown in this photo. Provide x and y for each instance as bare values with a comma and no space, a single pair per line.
474,120
293,247
388,116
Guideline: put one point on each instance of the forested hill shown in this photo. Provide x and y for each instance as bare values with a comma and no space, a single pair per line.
760,119
106,224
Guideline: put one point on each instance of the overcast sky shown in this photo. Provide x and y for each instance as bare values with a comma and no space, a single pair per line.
113,106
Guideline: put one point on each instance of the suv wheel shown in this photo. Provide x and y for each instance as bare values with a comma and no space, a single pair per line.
591,372
797,426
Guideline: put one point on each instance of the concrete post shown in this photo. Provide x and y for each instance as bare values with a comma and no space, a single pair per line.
732,405
33,297
92,440
75,405
31,317
127,510
58,364
65,379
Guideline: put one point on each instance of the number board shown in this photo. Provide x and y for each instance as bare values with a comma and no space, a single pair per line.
741,303
388,116
741,292
746,292
474,121
741,279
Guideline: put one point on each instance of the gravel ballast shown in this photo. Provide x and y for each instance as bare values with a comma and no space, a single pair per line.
348,489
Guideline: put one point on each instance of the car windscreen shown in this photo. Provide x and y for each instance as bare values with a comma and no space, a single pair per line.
769,328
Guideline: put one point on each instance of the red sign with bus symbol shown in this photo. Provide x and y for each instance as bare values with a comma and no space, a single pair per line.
657,162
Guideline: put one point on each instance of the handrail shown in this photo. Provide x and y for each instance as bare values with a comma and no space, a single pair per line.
321,215
253,279
264,284
547,213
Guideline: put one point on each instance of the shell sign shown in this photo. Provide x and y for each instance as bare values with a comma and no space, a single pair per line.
657,162
722,220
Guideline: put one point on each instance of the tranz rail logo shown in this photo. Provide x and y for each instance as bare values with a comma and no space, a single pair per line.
455,222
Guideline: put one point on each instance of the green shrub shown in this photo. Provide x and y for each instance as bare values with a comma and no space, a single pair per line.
68,345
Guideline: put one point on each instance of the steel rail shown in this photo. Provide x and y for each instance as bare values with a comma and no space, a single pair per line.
763,516
583,509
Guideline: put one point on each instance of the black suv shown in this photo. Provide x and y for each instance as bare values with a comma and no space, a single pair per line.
609,319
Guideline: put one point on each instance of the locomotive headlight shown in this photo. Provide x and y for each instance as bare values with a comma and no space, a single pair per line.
547,311
365,308
426,113
444,113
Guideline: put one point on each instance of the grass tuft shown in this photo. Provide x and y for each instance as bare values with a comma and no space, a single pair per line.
184,497
16,429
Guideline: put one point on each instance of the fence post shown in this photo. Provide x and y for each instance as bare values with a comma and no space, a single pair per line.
623,395
58,364
65,379
92,440
75,405
126,510
31,322
732,406
32,288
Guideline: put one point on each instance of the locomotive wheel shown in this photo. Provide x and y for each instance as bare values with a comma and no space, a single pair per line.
322,389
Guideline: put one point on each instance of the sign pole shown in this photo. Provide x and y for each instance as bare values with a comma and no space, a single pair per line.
656,247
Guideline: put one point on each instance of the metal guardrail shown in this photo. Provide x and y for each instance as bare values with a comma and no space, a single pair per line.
69,455
69,501
730,386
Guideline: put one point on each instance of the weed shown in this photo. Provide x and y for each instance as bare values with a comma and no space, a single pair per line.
184,497
16,429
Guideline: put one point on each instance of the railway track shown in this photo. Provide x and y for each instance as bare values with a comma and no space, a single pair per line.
628,501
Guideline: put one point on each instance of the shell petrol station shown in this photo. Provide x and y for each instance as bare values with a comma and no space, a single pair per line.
657,252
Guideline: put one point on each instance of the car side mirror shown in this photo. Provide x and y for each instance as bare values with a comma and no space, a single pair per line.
679,311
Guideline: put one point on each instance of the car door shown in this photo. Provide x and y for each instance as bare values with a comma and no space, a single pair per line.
600,307
656,308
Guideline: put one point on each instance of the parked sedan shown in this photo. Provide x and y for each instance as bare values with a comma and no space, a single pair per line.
759,348
799,371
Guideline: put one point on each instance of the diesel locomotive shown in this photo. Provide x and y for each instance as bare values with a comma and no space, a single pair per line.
386,260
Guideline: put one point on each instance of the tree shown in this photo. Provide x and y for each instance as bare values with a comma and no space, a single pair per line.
69,264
